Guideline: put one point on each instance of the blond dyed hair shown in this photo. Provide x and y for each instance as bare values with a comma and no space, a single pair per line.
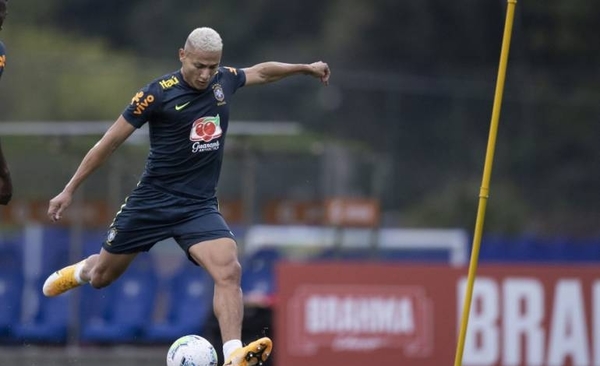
204,39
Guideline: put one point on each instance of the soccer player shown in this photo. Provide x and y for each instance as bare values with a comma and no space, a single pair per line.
188,115
5,181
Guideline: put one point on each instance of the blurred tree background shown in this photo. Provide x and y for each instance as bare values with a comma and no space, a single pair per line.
413,81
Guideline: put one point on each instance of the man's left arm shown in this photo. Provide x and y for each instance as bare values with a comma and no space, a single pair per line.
268,72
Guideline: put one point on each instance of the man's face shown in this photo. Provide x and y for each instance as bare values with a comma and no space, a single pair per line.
2,11
199,67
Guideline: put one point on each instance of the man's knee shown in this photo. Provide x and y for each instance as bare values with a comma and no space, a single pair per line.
232,272
219,258
227,274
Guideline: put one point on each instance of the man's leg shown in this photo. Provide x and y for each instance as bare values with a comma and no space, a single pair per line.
100,270
219,258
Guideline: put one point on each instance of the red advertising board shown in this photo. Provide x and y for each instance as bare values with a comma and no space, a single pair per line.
361,314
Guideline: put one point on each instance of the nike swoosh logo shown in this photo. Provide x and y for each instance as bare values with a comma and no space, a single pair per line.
180,107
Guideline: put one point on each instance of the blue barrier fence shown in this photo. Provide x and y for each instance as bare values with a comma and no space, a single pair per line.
163,295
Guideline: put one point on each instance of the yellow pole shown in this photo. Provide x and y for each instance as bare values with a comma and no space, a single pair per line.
487,172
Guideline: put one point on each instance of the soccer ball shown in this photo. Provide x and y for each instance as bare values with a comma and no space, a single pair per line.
192,350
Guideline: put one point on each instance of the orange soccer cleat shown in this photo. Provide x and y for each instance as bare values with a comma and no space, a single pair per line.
63,280
255,353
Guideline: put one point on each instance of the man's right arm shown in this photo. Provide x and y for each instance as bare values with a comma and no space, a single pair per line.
96,156
5,181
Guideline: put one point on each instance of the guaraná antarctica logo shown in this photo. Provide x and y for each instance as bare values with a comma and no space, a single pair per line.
204,130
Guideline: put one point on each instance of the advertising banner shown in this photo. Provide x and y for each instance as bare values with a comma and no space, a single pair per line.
360,314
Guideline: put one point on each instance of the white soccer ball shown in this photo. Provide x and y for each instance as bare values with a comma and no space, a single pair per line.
192,350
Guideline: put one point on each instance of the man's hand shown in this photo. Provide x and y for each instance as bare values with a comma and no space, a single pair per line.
5,189
58,204
320,70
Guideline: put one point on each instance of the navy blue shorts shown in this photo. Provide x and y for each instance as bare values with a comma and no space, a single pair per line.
150,215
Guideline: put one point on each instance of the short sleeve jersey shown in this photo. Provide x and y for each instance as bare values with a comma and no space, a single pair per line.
2,58
187,130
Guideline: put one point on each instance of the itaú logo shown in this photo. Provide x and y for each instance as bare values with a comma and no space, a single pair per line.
206,129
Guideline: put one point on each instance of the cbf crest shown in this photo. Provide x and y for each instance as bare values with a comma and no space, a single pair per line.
112,233
219,95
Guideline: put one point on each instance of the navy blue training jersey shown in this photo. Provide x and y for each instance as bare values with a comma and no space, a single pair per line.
2,58
187,131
